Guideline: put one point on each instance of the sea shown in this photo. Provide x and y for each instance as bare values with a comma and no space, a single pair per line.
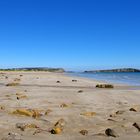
126,78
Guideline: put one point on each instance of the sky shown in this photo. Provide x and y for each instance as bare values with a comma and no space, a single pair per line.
73,34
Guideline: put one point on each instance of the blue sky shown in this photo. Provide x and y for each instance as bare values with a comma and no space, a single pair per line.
74,34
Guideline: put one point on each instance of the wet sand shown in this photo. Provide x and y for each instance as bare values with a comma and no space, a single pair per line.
69,101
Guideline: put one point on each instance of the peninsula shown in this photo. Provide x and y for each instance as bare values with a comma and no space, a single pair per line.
115,70
35,69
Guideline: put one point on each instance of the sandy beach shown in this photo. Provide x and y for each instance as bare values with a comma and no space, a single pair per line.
76,101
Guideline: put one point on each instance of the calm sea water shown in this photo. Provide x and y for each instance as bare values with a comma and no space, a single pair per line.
120,78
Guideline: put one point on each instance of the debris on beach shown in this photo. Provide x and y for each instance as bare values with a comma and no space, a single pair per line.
39,130
74,80
111,120
7,95
58,82
113,115
28,112
23,126
17,80
12,136
83,132
133,109
119,112
137,126
25,112
21,97
80,91
2,107
63,105
88,114
56,130
58,127
19,94
99,134
12,84
104,86
60,123
48,111
110,133
6,77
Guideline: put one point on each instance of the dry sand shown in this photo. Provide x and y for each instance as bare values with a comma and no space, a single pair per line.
43,93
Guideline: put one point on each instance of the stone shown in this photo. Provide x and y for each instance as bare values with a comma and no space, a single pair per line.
110,133
84,132
133,109
136,126
74,80
80,91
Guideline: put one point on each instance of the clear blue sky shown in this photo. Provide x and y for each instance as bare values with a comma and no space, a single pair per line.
74,34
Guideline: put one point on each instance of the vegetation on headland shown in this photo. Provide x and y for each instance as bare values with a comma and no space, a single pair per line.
115,70
35,69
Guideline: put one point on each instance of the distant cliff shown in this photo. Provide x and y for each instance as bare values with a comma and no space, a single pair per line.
35,69
115,70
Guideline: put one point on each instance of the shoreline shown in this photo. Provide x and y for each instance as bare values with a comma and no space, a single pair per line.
109,81
95,81
117,85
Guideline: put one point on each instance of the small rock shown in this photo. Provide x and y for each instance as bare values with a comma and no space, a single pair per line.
136,126
80,91
6,77
74,80
133,109
110,133
2,107
84,132
21,126
120,112
48,111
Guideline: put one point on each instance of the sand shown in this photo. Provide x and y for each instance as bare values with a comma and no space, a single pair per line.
41,91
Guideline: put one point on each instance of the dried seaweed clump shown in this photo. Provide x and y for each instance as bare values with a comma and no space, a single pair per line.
104,86
12,84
